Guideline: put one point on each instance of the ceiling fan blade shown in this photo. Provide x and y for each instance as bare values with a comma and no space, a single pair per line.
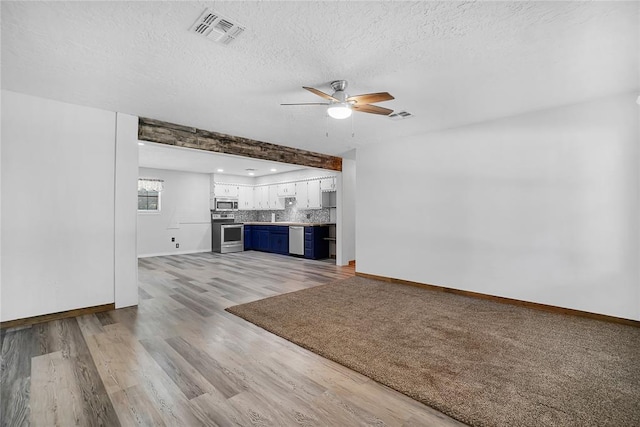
320,94
371,98
309,103
373,109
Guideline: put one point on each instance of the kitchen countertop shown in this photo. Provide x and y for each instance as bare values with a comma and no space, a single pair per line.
305,224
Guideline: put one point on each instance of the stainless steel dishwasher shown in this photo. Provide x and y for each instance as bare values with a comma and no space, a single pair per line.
296,240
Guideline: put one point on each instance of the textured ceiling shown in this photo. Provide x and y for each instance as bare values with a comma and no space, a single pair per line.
448,63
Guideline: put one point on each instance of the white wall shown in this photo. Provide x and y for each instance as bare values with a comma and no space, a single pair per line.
346,228
184,214
126,206
541,207
295,175
57,206
233,179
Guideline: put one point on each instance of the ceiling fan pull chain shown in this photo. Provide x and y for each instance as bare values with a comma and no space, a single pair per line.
353,133
326,125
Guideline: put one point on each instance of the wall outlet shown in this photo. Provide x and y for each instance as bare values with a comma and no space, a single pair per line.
173,239
308,216
177,245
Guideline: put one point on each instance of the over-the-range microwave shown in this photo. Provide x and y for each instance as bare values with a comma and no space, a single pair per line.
225,205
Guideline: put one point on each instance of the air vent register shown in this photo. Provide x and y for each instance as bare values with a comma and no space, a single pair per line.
216,27
400,115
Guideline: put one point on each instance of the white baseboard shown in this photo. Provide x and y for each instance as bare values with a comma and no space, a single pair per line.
197,251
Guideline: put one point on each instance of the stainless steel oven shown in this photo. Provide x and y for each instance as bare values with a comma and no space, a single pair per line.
226,234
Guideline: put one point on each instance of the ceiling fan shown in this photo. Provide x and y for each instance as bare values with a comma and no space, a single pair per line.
341,105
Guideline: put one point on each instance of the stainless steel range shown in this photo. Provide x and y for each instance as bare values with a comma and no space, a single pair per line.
226,234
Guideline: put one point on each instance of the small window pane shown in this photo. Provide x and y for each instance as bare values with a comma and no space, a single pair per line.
148,200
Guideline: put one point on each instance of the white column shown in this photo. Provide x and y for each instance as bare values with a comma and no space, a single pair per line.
346,213
126,211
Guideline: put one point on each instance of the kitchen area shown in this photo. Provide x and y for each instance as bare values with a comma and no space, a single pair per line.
290,214
219,203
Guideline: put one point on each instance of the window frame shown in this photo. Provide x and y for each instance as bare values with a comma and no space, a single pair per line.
150,211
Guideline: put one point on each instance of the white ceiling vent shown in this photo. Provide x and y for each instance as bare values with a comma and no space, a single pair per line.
400,115
216,27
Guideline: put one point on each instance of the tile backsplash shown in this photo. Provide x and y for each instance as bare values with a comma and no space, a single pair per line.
246,216
290,214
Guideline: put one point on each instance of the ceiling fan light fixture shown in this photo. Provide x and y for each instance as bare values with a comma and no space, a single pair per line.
341,105
339,110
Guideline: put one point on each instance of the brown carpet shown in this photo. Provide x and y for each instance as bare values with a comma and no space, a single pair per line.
481,362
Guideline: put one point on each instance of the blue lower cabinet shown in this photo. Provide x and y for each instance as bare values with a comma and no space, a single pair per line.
279,240
256,237
275,239
261,239
315,245
248,237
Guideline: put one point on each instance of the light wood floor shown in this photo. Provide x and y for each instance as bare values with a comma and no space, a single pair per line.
180,359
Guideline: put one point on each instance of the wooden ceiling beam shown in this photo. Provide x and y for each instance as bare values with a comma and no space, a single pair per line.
189,137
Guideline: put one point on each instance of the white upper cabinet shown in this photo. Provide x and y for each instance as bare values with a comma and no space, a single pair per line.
301,194
261,197
275,202
328,184
287,190
245,198
308,194
264,197
313,193
225,190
